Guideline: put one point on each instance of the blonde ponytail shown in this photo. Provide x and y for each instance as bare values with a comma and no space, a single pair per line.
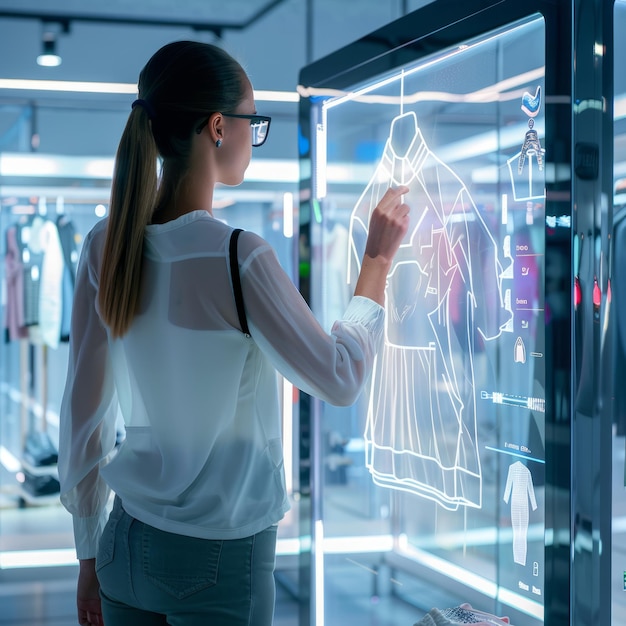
133,197
182,84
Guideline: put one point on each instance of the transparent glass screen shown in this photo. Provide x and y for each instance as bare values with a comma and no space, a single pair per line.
441,463
618,573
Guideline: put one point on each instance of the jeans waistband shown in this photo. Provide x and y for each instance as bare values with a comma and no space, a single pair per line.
118,510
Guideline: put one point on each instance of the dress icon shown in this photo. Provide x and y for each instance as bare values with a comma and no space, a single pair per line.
519,489
444,287
519,351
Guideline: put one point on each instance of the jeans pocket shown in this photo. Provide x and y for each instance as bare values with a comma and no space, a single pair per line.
106,544
180,565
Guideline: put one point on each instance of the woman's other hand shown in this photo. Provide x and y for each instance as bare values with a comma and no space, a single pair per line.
88,595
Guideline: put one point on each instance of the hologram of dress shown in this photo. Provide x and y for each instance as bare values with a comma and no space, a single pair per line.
443,286
519,489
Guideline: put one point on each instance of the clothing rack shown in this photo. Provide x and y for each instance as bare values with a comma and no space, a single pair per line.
42,255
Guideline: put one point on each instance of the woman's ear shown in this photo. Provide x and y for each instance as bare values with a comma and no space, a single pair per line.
216,127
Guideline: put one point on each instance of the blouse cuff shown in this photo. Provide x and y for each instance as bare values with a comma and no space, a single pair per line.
366,312
87,531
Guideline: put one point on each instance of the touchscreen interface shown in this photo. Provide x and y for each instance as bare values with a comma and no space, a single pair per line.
450,435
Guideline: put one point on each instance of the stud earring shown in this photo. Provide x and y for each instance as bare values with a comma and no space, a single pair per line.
218,143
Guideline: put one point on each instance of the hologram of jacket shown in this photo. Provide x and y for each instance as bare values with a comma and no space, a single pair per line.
444,286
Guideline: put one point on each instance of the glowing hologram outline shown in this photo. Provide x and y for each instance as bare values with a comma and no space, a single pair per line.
508,272
517,181
531,147
438,246
520,490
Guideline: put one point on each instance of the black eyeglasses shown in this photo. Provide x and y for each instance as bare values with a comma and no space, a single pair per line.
259,125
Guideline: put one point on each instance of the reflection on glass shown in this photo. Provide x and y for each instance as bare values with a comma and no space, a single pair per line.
618,579
445,453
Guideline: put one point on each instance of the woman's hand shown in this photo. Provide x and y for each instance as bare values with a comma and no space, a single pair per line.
88,595
388,225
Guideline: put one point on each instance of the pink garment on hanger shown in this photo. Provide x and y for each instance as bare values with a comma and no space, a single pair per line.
14,272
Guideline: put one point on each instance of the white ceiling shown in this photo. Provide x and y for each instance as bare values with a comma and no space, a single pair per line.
273,48
280,32
183,9
229,12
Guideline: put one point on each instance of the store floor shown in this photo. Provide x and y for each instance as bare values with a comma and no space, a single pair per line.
52,604
352,593
46,596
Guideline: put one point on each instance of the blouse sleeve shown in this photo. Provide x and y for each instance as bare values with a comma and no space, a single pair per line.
332,367
88,414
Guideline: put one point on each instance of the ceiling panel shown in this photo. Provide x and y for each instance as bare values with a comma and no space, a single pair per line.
272,50
230,11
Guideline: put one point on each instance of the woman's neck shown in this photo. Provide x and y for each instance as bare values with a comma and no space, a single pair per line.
191,193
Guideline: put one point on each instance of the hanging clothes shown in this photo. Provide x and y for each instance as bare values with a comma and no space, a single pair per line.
14,274
51,288
31,257
35,273
69,246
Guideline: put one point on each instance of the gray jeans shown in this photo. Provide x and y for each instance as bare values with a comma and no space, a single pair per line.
149,577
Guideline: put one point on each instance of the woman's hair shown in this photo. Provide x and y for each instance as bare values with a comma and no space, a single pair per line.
180,86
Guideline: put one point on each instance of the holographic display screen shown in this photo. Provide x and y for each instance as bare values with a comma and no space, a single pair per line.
454,416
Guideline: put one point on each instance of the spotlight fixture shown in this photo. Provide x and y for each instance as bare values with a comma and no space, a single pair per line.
49,56
50,33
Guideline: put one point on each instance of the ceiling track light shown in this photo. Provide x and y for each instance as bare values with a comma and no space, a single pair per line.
49,56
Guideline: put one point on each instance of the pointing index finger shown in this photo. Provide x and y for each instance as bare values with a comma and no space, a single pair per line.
401,189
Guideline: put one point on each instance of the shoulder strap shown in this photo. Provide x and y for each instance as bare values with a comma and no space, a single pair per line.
234,272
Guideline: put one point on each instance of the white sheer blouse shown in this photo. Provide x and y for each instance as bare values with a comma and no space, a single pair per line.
202,454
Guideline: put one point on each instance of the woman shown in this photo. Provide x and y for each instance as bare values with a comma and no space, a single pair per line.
156,335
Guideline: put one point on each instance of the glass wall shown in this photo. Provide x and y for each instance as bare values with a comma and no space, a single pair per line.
618,574
439,470
42,233
43,221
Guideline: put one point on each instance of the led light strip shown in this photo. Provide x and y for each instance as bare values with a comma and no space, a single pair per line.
118,88
29,164
16,559
470,579
68,86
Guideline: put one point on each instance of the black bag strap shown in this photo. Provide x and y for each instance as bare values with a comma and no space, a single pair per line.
234,272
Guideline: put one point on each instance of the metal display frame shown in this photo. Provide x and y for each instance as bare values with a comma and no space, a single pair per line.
578,122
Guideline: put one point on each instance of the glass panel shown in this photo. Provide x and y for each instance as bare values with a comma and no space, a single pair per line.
35,530
440,466
618,575
41,242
